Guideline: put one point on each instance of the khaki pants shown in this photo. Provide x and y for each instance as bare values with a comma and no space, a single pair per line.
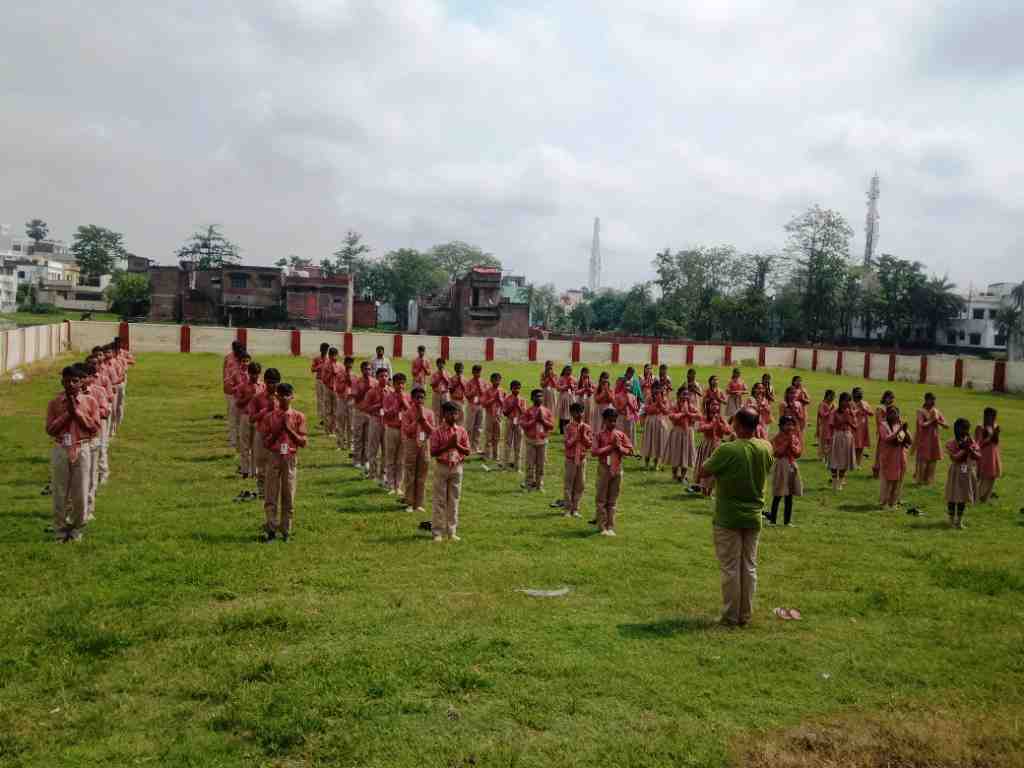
492,436
118,415
608,488
924,472
513,445
232,421
94,472
360,437
574,483
343,423
245,438
447,490
474,425
889,491
985,487
435,403
394,467
375,448
330,415
736,549
279,503
260,454
70,485
102,460
536,456
319,399
416,457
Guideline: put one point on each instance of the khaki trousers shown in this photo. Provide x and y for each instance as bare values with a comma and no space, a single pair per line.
102,461
232,421
474,425
435,403
736,549
329,411
319,398
447,490
608,488
924,472
575,480
94,472
70,485
260,454
360,437
536,456
245,438
375,447
889,491
343,422
279,502
118,415
394,467
416,457
513,446
985,487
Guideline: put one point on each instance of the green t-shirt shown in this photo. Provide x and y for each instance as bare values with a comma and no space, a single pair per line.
740,468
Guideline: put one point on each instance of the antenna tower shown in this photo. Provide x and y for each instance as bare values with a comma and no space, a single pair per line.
595,258
871,223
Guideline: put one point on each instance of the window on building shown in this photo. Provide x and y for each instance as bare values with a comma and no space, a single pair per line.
992,313
975,339
1000,340
978,314
21,275
962,336
239,281
951,337
266,281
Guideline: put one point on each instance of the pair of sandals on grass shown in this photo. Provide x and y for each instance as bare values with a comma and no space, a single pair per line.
788,614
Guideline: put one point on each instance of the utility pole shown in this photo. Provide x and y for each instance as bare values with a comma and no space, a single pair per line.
595,259
871,223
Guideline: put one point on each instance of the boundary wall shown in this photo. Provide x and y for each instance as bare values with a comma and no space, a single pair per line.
28,344
23,346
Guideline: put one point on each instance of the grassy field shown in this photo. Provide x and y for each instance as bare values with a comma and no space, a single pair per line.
170,637
31,318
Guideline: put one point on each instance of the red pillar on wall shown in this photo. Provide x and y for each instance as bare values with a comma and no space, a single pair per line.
655,351
762,355
186,338
576,351
867,365
125,336
958,373
892,367
242,336
728,354
999,376
796,357
347,343
489,350
814,359
296,342
615,351
839,362
397,346
689,354
923,375
446,347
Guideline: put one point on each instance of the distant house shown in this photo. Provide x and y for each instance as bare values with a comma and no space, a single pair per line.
477,305
231,295
315,299
8,288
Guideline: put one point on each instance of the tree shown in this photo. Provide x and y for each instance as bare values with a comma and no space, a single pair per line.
97,249
641,313
293,262
899,283
347,257
691,280
37,230
819,247
608,307
209,249
936,303
544,303
129,293
582,317
457,258
1010,319
405,274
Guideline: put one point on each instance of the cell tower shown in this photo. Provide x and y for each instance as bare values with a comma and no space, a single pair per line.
595,258
871,224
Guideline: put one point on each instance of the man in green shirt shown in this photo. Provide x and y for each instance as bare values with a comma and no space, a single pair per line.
740,469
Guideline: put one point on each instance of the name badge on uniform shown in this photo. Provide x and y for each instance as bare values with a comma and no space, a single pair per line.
515,421
66,440
542,432
381,411
284,449
454,457
421,437
964,469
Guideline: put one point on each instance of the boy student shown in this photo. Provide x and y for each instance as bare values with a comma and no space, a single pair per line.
396,402
421,367
380,362
579,438
244,393
475,389
491,403
513,407
105,400
457,393
417,427
72,420
439,386
259,408
328,370
610,446
343,406
537,422
231,380
373,407
286,433
360,421
449,445
314,368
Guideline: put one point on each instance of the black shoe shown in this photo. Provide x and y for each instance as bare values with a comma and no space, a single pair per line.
592,522
267,536
558,504
425,525
285,537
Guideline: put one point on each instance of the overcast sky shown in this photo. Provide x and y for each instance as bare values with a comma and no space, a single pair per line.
512,125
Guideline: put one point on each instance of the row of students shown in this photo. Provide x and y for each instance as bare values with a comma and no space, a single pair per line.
82,420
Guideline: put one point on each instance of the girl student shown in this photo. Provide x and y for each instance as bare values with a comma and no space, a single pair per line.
961,481
681,453
713,430
585,392
625,404
713,393
692,384
862,412
990,465
763,406
787,446
792,406
881,413
566,386
891,456
805,399
926,440
656,427
842,455
646,383
665,380
769,390
602,400
735,391
823,426
549,386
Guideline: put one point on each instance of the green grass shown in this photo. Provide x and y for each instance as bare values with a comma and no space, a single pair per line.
31,318
170,637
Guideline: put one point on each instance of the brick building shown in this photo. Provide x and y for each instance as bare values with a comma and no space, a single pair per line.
233,294
476,305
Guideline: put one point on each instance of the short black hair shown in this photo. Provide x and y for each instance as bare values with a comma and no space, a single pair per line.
786,420
449,407
535,392
609,413
272,374
255,368
285,389
514,384
349,360
418,390
398,377
332,351
495,376
747,418
576,408
324,346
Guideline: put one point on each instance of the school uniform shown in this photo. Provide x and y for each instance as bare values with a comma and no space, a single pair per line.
927,444
961,480
681,453
71,460
327,373
549,385
259,407
880,414
244,394
823,430
892,463
421,371
610,446
579,438
343,408
990,465
474,424
229,384
585,395
786,480
736,389
373,407
805,400
361,388
862,426
842,455
105,403
656,432
417,427
491,403
512,408
628,410
314,368
395,404
286,433
457,395
439,392
566,386
601,401
711,434
537,422
447,478
715,395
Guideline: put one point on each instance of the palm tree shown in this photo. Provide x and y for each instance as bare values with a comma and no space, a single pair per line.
936,303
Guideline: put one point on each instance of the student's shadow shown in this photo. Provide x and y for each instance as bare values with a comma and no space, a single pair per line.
224,538
666,627
575,533
858,508
934,525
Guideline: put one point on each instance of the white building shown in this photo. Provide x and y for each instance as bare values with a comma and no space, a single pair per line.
8,288
976,328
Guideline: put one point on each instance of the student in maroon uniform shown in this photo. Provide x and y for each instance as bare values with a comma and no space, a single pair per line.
449,445
286,434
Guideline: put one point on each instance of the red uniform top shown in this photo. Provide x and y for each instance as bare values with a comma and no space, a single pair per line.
104,398
963,454
439,382
420,370
603,395
795,410
645,386
475,390
227,361
585,386
119,368
360,388
373,403
656,406
714,394
513,407
862,426
763,406
714,430
245,392
626,404
261,404
548,380
285,431
737,386
566,384
457,388
685,414
926,441
417,423
666,383
69,427
327,373
492,400
342,382
787,446
395,404
991,462
842,421
314,368
449,444
578,440
699,390
802,396
609,448
536,423
825,421
232,384
892,451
